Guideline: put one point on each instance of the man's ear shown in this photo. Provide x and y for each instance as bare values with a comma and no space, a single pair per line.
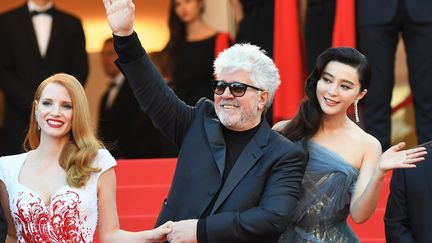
262,99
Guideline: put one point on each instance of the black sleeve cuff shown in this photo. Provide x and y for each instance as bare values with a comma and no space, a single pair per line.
201,231
128,48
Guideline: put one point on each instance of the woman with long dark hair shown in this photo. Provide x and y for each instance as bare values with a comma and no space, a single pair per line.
191,50
345,167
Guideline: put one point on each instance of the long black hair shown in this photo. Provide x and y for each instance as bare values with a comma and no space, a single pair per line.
307,121
177,31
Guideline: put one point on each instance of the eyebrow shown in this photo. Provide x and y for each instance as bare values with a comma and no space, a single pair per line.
50,99
343,80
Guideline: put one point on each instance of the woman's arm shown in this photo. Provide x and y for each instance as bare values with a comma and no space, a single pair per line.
108,222
4,200
372,172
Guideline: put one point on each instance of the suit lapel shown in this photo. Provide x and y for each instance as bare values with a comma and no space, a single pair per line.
216,141
247,159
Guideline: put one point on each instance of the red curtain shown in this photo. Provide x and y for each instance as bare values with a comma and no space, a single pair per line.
344,31
288,57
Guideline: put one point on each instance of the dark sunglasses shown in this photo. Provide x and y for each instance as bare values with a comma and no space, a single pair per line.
237,89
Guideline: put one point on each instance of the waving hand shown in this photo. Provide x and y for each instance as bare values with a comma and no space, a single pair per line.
394,157
120,15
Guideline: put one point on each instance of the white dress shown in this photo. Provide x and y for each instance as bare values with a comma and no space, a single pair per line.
71,215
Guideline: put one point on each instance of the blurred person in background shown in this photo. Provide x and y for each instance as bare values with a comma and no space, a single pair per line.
126,130
191,49
379,26
408,214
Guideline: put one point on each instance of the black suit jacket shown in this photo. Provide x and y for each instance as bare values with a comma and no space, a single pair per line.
257,199
22,68
372,12
127,131
408,216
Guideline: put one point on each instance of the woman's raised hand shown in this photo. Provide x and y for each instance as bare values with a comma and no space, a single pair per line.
120,15
394,157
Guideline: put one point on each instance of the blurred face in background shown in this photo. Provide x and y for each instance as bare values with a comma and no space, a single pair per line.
108,56
40,3
188,11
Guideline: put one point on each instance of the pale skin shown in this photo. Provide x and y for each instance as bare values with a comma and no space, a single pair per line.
120,15
189,12
338,88
42,173
237,10
41,3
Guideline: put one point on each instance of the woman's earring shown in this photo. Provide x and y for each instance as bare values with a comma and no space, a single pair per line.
356,112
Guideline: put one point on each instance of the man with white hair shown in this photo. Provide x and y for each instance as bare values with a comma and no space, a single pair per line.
236,180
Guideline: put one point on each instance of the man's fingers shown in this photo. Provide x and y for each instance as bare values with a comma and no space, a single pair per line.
131,4
107,4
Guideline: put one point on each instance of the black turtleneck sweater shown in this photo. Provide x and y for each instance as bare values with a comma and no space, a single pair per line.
235,142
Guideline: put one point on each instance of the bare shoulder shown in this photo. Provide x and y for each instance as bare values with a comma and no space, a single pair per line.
371,142
280,125
370,145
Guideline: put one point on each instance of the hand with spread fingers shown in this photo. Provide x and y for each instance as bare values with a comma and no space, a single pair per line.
120,15
394,157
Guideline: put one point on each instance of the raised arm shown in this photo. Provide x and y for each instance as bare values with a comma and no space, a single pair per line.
168,113
372,173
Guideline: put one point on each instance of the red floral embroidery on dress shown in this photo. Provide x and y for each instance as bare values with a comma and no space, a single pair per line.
58,222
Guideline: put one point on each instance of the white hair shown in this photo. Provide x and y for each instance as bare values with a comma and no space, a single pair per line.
253,60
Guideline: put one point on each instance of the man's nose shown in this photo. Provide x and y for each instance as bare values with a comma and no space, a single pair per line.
227,93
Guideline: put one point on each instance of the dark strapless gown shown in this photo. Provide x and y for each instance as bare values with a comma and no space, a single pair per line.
324,200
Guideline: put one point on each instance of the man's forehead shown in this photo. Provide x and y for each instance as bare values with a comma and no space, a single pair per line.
236,75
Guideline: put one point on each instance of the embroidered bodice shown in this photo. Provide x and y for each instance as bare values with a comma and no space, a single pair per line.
70,216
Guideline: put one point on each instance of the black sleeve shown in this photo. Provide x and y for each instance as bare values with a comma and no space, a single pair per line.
201,231
169,114
128,48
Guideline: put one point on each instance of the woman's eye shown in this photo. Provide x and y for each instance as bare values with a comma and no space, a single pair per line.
346,87
326,80
46,103
67,106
